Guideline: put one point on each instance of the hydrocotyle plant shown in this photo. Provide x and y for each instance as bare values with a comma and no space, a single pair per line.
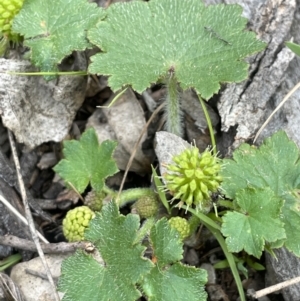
261,186
122,273
86,162
196,46
264,185
53,29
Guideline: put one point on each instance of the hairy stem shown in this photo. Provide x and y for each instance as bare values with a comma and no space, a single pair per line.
211,130
173,112
129,195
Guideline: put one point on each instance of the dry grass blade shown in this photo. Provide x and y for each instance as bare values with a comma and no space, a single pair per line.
10,290
28,214
13,210
278,107
274,288
157,110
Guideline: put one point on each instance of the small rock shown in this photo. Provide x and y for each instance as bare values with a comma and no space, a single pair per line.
47,160
35,110
191,257
211,272
166,146
33,287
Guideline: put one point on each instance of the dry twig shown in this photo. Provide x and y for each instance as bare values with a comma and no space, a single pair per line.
18,215
274,288
24,244
291,92
28,214
136,146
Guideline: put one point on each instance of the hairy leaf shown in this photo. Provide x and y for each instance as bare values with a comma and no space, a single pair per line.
115,270
144,41
256,221
275,164
84,277
86,161
53,29
170,280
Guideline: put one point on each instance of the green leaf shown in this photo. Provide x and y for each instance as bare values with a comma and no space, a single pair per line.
256,222
275,164
87,161
81,278
294,47
202,45
86,278
169,279
53,29
159,185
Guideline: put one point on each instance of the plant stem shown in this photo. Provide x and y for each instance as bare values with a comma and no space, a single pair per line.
226,204
48,73
194,223
173,112
215,229
210,128
146,227
129,195
159,185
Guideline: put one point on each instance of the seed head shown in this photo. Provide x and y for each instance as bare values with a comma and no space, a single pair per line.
75,223
8,10
193,177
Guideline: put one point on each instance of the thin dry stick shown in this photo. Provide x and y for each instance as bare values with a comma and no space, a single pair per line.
57,248
156,111
278,107
274,288
18,215
28,213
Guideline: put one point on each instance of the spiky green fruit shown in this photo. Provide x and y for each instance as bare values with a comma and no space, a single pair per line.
8,10
94,200
75,223
146,206
181,225
193,177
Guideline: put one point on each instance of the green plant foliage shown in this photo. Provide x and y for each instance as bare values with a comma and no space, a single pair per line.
84,278
8,10
53,29
275,165
87,161
255,221
202,45
123,270
170,280
294,47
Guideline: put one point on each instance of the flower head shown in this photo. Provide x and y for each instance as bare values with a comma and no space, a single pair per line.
8,10
76,221
193,177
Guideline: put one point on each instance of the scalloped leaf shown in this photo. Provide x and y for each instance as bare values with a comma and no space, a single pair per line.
53,29
86,161
85,277
200,44
257,221
170,280
116,269
275,164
